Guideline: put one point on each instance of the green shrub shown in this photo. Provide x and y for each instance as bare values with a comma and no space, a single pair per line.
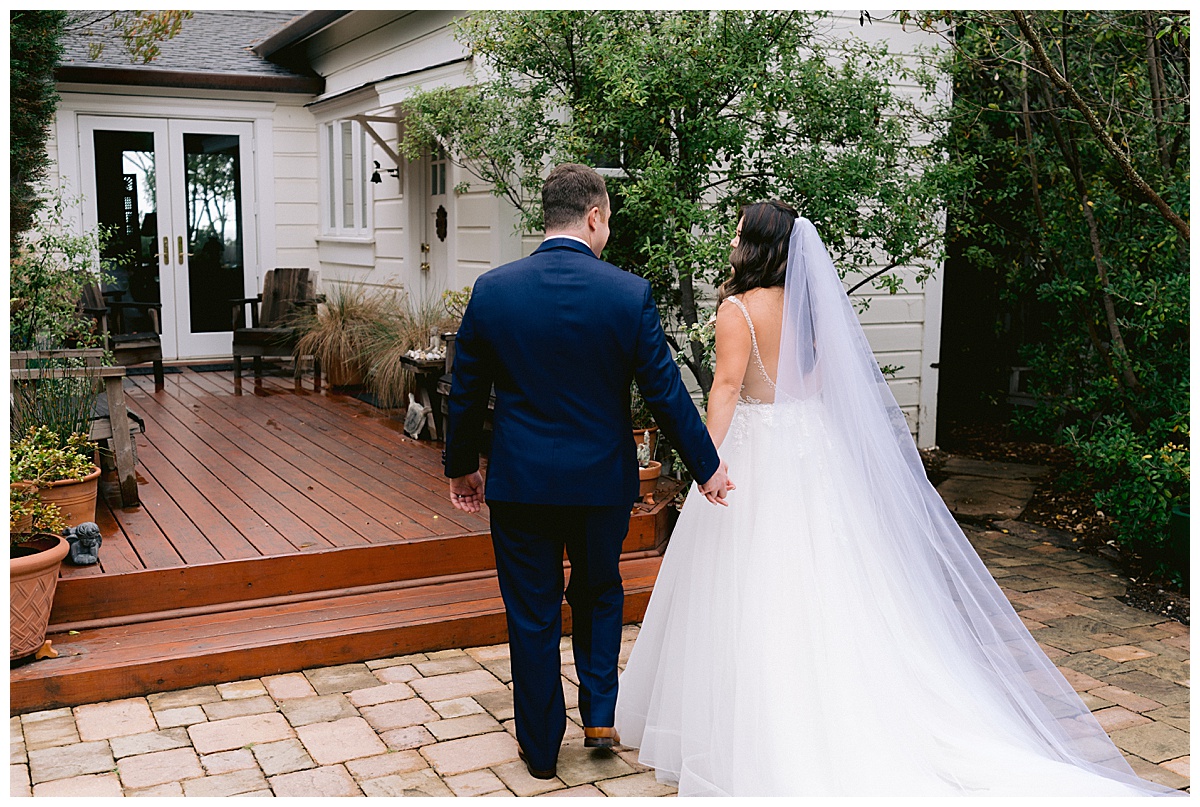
1141,477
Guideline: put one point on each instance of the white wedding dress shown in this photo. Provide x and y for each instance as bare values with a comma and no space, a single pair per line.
831,632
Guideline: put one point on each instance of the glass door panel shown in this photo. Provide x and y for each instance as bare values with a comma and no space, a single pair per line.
123,180
213,195
127,208
177,197
212,191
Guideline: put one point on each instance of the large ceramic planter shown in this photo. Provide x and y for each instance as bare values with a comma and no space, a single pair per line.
649,480
345,374
33,576
76,498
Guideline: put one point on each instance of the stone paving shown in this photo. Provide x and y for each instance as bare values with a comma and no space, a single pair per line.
441,724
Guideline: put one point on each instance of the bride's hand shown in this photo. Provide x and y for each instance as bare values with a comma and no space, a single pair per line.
718,485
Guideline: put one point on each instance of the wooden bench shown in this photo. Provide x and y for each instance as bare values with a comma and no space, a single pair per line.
115,428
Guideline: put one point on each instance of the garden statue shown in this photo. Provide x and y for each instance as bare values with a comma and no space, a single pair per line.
85,543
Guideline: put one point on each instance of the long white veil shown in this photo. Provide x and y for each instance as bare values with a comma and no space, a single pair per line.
825,360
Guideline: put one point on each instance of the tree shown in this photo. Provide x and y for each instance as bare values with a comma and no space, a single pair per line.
701,112
35,49
1079,123
35,39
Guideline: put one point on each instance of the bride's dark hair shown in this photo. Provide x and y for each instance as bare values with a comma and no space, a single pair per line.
760,258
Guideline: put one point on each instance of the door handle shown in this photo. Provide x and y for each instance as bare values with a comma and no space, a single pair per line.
166,255
180,242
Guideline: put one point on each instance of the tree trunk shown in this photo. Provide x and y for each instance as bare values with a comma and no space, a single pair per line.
1098,129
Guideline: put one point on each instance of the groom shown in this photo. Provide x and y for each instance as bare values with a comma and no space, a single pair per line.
561,334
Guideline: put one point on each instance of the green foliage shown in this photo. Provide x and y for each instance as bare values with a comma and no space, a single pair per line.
139,31
35,43
43,517
62,405
642,417
44,456
34,50
700,112
456,302
1141,477
1096,274
47,274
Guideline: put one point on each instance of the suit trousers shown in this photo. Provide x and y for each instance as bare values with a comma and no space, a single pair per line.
529,541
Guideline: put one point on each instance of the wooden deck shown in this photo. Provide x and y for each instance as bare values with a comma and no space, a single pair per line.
227,477
278,531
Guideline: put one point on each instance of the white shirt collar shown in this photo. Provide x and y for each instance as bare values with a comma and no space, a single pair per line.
572,237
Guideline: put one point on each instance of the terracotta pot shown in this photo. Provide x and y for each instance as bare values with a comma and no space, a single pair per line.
345,374
32,580
649,478
638,436
76,498
24,525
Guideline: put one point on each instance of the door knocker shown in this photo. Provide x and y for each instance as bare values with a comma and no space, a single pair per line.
441,222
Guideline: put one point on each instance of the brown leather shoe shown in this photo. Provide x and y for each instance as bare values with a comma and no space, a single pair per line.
600,737
535,772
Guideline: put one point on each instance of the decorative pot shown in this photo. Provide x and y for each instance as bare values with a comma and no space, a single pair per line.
345,374
639,436
649,480
24,525
33,576
76,498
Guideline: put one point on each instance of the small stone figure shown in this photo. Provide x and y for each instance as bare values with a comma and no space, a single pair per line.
85,543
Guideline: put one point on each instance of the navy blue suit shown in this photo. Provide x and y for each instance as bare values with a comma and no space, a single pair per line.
561,334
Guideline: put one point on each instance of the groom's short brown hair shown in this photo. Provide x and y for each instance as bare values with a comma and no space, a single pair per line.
569,193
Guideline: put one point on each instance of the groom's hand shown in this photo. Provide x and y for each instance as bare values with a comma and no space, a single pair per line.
466,492
718,485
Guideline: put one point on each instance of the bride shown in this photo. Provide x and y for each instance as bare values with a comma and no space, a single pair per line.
832,632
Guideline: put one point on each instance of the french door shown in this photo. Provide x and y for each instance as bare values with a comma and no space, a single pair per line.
176,198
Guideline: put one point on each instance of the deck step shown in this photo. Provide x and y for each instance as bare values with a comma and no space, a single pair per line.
176,652
88,598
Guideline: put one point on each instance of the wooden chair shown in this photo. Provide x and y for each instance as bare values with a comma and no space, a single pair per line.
110,424
272,332
128,345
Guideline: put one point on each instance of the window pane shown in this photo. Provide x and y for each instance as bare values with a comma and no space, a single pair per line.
332,176
362,184
347,175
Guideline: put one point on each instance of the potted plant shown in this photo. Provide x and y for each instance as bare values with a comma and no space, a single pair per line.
644,429
338,331
36,552
32,578
28,514
64,471
412,332
648,470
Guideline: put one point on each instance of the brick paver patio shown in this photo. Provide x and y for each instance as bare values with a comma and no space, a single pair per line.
441,723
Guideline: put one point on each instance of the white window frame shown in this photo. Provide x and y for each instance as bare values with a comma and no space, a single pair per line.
333,181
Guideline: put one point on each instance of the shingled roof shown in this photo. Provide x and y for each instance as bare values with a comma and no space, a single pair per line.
211,51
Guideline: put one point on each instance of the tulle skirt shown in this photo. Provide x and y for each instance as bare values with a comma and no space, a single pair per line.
788,650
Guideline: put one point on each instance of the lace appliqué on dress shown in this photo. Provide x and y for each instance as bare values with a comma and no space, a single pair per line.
743,398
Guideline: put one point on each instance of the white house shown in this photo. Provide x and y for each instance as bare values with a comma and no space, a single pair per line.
252,142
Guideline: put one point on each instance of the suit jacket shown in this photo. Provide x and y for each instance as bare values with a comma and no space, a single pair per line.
561,334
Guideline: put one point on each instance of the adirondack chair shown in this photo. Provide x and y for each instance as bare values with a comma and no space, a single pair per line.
111,419
271,332
128,343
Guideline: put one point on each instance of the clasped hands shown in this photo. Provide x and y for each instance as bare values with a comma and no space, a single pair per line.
466,492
